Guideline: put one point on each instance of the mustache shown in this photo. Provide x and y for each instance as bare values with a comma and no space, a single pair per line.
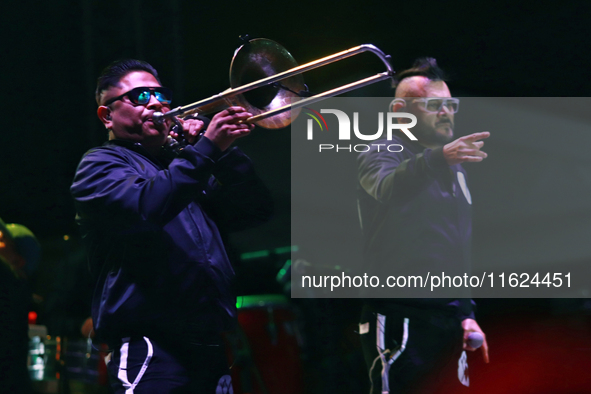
444,122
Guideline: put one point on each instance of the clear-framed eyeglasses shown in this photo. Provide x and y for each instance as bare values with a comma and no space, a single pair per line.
434,105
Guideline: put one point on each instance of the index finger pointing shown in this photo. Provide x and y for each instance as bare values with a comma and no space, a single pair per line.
477,136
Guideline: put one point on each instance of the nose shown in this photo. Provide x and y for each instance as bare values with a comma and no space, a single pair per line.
445,110
154,103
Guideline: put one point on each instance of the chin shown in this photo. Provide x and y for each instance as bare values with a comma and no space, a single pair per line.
154,139
444,135
154,133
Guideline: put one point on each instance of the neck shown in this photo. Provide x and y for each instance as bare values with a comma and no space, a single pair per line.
153,150
429,145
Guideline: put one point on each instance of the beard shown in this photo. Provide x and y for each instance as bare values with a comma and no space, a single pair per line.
439,135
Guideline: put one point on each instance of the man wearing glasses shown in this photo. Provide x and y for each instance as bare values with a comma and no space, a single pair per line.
415,216
153,226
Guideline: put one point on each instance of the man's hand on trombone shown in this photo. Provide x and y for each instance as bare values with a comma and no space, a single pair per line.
224,128
227,125
191,129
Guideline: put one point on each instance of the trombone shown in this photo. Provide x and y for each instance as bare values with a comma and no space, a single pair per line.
264,57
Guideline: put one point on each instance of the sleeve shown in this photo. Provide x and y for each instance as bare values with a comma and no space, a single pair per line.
239,198
390,177
108,185
466,309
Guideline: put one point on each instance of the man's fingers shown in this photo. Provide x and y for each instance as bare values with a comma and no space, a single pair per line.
193,126
233,129
235,113
476,136
478,144
479,153
472,152
228,125
241,116
472,159
196,127
485,352
241,127
234,109
237,118
238,133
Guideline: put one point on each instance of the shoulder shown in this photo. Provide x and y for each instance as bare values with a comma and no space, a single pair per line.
397,149
101,160
109,151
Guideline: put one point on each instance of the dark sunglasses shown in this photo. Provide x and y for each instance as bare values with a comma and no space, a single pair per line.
141,95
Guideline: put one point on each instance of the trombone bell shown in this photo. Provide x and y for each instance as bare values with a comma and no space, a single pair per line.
259,59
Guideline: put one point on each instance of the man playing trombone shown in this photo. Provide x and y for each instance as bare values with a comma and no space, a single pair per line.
153,226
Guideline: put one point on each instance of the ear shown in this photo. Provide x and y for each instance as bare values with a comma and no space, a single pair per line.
397,104
104,114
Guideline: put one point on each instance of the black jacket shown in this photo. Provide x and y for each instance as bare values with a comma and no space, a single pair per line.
153,235
415,213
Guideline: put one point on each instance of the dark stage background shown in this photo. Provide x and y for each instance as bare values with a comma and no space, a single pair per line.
52,53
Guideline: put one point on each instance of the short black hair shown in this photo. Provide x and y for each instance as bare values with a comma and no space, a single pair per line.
112,74
424,67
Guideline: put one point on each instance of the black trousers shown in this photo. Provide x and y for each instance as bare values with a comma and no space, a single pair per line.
409,350
151,366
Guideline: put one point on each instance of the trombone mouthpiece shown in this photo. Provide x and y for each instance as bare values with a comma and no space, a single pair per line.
158,118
